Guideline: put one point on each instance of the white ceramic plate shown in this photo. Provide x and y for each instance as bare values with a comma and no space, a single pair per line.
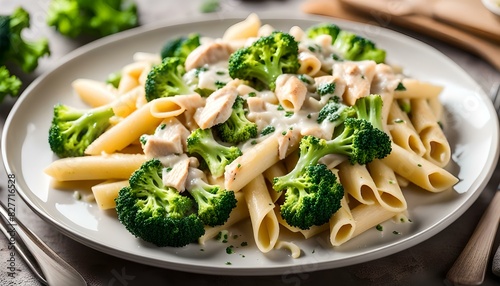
471,125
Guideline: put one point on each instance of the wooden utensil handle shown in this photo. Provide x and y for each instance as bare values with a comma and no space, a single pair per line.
470,266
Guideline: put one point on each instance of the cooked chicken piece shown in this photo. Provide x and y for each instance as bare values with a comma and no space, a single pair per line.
208,53
169,138
218,107
175,174
358,77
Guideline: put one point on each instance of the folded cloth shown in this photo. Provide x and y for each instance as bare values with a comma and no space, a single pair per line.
385,15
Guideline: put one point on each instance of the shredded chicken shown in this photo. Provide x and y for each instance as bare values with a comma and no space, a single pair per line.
208,53
218,107
358,77
176,172
169,138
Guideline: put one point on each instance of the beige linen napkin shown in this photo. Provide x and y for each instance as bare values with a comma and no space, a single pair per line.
384,13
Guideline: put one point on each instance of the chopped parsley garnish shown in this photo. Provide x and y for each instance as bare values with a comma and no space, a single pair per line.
400,87
267,130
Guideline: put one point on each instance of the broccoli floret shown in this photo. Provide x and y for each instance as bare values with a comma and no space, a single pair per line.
180,47
209,6
370,109
165,79
157,213
356,48
213,153
14,47
214,203
312,196
72,129
326,88
237,128
323,29
9,84
114,78
335,112
267,130
99,18
267,58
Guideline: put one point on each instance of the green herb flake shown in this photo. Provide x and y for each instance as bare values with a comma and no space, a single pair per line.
396,232
400,87
399,120
229,250
379,227
244,243
252,94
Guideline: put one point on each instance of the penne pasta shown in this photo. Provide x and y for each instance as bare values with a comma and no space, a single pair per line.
103,167
261,208
419,171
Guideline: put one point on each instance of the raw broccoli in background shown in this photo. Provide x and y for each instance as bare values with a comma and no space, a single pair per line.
237,128
215,155
267,58
350,45
214,204
16,50
165,79
157,213
72,130
9,84
180,47
99,18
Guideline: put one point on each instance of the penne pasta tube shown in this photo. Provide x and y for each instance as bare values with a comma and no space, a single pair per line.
389,193
357,182
124,132
114,166
245,29
276,170
106,192
125,104
309,64
342,224
369,216
415,88
173,106
437,147
418,170
261,208
253,162
94,93
402,131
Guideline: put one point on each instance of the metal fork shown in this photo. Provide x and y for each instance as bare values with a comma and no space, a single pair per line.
470,266
55,270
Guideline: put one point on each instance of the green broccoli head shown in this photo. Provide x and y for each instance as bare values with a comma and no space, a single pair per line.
267,58
356,48
369,108
156,213
180,47
214,154
237,128
72,130
9,84
335,112
214,203
311,198
323,29
165,79
100,18
360,141
326,88
14,47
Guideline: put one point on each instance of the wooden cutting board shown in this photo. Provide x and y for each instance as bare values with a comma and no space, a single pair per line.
378,13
